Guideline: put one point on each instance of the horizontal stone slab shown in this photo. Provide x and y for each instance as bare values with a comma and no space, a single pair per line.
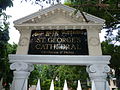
60,59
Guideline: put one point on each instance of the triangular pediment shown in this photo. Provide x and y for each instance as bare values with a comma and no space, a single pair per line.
58,17
58,14
59,20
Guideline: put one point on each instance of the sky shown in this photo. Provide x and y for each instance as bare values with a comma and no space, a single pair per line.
20,10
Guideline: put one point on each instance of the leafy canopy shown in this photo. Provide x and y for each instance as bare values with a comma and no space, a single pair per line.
5,73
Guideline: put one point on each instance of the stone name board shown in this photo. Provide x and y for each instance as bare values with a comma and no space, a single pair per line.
58,42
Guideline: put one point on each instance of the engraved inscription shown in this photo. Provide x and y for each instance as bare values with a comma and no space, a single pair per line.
58,42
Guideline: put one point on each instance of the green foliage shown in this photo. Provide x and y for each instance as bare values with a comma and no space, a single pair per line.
110,12
58,73
71,74
114,51
11,48
5,72
35,74
45,85
106,9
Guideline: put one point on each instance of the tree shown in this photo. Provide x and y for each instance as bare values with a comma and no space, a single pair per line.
114,51
58,73
4,37
5,73
4,4
106,9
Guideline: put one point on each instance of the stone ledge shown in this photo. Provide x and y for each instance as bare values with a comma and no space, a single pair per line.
60,59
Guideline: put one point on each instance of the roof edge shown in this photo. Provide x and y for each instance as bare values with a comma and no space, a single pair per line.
52,7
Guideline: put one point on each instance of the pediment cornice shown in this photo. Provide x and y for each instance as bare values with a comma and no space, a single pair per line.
59,10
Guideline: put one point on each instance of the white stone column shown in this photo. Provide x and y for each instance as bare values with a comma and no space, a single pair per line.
21,73
98,73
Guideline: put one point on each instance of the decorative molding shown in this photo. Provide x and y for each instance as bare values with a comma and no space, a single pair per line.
47,18
98,71
31,67
53,26
65,9
106,68
72,24
92,69
98,74
21,66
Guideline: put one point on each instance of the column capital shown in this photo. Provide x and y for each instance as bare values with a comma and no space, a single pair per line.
22,66
21,74
98,71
